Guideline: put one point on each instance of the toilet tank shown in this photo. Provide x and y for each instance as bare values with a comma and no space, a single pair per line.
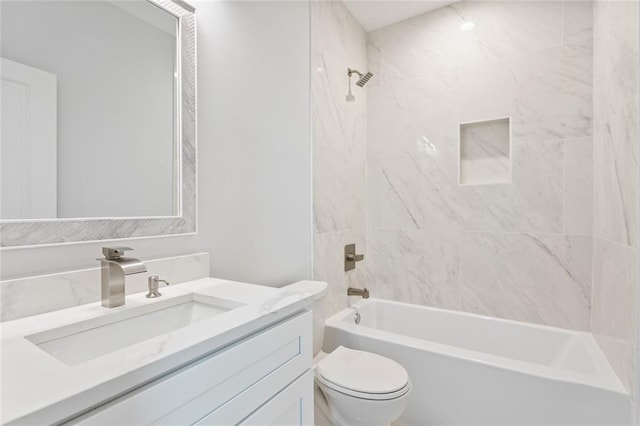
317,289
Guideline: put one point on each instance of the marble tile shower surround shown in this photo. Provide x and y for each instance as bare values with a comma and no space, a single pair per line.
519,250
339,127
329,266
616,185
35,295
485,152
339,146
615,271
616,123
505,275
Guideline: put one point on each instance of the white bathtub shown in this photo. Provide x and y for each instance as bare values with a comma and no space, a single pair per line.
472,370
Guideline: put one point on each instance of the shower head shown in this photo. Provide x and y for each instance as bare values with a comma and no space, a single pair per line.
364,78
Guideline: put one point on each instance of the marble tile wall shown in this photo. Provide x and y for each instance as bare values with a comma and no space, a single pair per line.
519,250
616,185
339,146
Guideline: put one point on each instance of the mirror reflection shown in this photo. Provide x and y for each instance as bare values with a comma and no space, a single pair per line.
88,110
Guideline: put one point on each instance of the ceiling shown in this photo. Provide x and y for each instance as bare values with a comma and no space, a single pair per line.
374,14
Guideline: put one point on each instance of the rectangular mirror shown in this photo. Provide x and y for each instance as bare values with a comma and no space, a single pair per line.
98,120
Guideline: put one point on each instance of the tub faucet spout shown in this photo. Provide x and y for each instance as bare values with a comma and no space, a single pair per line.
351,291
114,269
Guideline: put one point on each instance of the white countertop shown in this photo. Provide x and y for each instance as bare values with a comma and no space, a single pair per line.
38,388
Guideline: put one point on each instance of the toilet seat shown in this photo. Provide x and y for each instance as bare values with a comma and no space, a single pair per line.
363,395
363,375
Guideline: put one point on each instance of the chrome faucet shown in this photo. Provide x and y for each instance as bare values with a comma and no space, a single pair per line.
114,269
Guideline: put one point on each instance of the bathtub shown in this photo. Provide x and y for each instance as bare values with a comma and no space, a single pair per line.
473,370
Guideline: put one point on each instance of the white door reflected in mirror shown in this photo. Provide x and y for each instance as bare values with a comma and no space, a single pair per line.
28,142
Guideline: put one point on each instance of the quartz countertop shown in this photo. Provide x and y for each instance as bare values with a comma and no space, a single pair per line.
39,388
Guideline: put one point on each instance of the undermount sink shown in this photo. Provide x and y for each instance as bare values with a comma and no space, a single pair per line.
85,340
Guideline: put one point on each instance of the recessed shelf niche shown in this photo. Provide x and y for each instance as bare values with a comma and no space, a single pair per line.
485,152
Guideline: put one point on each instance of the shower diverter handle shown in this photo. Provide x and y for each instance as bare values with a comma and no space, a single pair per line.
350,257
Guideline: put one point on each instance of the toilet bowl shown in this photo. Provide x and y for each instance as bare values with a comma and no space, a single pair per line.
361,388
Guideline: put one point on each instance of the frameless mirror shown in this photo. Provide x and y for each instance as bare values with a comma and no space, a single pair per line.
97,120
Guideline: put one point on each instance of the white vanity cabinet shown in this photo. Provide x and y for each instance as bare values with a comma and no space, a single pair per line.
262,379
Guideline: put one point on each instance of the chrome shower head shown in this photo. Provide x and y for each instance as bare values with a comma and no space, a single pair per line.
364,78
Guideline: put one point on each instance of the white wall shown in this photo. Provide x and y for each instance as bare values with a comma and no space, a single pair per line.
254,154
254,142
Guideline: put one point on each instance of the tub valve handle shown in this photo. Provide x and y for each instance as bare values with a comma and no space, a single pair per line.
350,257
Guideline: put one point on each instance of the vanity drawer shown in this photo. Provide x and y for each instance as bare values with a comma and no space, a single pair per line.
194,391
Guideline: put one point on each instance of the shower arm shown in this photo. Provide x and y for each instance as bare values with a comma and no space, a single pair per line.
350,72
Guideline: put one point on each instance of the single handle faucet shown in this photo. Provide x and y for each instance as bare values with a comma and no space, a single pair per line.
154,282
114,269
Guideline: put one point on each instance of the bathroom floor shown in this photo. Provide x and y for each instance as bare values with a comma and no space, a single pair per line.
321,416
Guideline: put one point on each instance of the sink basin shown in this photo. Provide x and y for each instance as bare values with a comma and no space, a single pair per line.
79,342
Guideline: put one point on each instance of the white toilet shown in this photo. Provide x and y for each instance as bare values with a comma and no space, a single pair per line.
361,388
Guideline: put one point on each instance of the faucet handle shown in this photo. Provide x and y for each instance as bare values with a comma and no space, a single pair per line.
112,253
350,257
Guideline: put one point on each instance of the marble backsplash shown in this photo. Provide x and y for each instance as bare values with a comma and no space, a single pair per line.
44,293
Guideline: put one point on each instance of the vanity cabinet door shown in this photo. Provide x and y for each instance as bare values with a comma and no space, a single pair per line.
291,406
